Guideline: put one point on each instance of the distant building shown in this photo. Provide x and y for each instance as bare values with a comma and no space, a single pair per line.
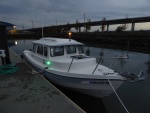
9,26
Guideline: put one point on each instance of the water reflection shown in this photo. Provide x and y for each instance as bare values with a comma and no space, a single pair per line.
148,71
11,43
148,66
16,42
122,62
148,61
21,45
87,52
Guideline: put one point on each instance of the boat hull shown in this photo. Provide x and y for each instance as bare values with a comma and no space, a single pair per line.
93,87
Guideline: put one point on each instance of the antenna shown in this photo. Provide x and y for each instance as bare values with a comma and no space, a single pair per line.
42,18
128,48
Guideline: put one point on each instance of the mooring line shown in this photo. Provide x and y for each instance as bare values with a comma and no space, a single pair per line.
117,95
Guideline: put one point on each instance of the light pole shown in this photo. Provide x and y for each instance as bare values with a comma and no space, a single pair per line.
32,23
56,25
84,22
22,25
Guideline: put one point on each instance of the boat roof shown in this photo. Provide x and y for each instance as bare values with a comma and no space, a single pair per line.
50,41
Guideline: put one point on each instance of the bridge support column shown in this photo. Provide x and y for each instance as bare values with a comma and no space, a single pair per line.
79,29
107,27
132,26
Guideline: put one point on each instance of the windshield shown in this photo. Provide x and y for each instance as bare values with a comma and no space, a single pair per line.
71,49
80,49
57,51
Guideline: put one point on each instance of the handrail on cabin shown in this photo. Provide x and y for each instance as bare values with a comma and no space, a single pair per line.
71,63
100,60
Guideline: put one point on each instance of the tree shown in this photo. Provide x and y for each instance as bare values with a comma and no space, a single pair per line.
77,25
66,28
87,25
121,28
102,24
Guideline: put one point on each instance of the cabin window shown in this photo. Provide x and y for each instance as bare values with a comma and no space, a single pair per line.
34,48
40,49
45,51
71,49
80,49
57,51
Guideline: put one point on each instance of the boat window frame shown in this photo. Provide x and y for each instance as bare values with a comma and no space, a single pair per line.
70,51
53,52
81,47
41,49
35,48
45,55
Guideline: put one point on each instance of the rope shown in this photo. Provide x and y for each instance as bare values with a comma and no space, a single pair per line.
117,95
115,90
8,69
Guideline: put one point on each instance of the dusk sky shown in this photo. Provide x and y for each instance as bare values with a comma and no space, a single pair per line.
24,13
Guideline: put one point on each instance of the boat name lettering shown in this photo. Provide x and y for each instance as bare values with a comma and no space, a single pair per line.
99,82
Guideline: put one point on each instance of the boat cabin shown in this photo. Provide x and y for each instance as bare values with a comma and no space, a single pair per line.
53,47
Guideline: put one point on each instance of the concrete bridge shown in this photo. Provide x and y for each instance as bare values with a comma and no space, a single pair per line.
131,21
107,23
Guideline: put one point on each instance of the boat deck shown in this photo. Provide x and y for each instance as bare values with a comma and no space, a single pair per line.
24,92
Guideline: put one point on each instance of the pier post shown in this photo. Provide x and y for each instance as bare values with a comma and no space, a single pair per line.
4,44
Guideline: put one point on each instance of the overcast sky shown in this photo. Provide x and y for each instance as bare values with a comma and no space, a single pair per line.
25,12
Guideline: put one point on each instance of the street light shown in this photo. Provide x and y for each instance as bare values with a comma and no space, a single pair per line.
14,27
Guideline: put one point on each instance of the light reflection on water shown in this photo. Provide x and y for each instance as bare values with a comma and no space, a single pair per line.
135,96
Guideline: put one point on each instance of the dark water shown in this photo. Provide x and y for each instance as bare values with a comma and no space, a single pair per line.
135,96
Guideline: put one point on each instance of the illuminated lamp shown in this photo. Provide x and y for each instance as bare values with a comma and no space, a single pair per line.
16,42
47,63
14,27
69,33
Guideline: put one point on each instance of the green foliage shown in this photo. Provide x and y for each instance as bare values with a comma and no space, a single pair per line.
67,28
121,28
102,24
87,25
77,25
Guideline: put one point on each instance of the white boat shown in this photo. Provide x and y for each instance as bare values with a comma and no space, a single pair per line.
64,63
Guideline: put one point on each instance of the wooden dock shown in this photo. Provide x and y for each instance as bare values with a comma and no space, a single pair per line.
24,92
